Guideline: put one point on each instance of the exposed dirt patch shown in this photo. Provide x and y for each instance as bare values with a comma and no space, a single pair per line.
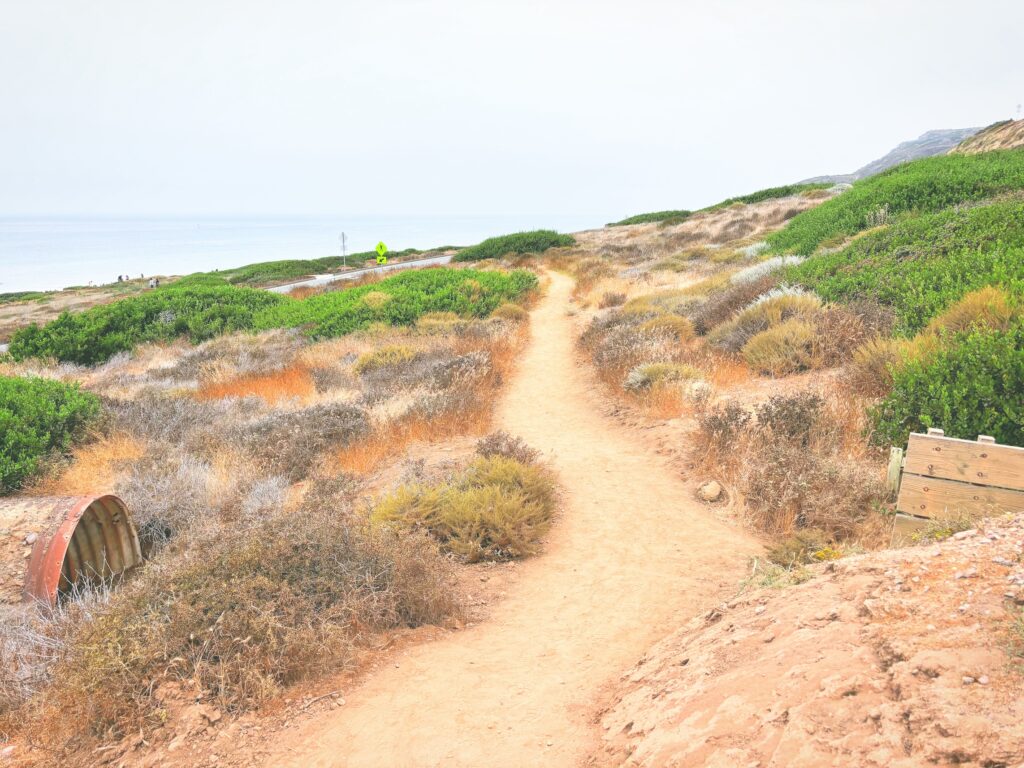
898,658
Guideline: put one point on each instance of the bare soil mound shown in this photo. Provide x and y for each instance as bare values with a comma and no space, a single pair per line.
899,658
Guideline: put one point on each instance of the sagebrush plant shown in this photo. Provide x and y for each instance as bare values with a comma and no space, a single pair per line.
721,305
512,312
501,443
755,272
497,508
644,377
611,299
839,332
39,418
768,310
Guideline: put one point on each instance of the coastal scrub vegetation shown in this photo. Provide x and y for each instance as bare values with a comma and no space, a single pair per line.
654,216
900,300
202,307
248,462
921,265
497,508
771,193
39,418
537,241
914,188
265,272
678,217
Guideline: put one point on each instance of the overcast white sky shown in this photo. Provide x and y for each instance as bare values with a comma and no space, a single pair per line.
469,106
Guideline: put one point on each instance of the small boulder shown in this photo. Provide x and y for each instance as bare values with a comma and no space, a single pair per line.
710,491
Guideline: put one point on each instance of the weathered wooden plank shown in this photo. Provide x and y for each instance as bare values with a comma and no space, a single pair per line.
935,498
982,463
892,477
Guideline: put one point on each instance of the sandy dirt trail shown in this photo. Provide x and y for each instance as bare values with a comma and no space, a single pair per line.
630,558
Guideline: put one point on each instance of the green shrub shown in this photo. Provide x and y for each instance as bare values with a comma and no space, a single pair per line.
498,508
536,241
265,272
969,385
468,293
196,310
646,218
921,186
38,417
923,265
203,306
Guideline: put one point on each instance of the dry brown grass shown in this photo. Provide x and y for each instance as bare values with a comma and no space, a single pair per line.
800,461
256,607
289,383
989,307
304,291
93,468
497,508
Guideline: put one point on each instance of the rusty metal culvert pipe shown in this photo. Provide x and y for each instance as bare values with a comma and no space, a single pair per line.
75,540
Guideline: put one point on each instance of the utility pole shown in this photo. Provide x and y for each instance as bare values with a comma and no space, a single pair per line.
344,255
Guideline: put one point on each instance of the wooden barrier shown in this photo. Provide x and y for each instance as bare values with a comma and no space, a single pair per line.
944,477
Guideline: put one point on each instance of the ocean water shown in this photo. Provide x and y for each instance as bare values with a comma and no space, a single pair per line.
52,253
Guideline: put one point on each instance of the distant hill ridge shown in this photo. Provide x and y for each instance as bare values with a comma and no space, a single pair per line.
928,144
1006,134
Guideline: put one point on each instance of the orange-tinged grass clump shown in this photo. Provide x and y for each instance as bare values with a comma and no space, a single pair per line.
294,381
94,468
389,442
304,291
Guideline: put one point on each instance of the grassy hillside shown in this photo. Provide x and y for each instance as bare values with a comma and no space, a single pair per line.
203,306
772,193
923,264
922,186
676,217
654,216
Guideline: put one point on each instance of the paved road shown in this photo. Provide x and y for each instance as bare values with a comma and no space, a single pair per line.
318,280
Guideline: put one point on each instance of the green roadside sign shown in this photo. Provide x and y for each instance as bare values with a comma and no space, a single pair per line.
382,251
